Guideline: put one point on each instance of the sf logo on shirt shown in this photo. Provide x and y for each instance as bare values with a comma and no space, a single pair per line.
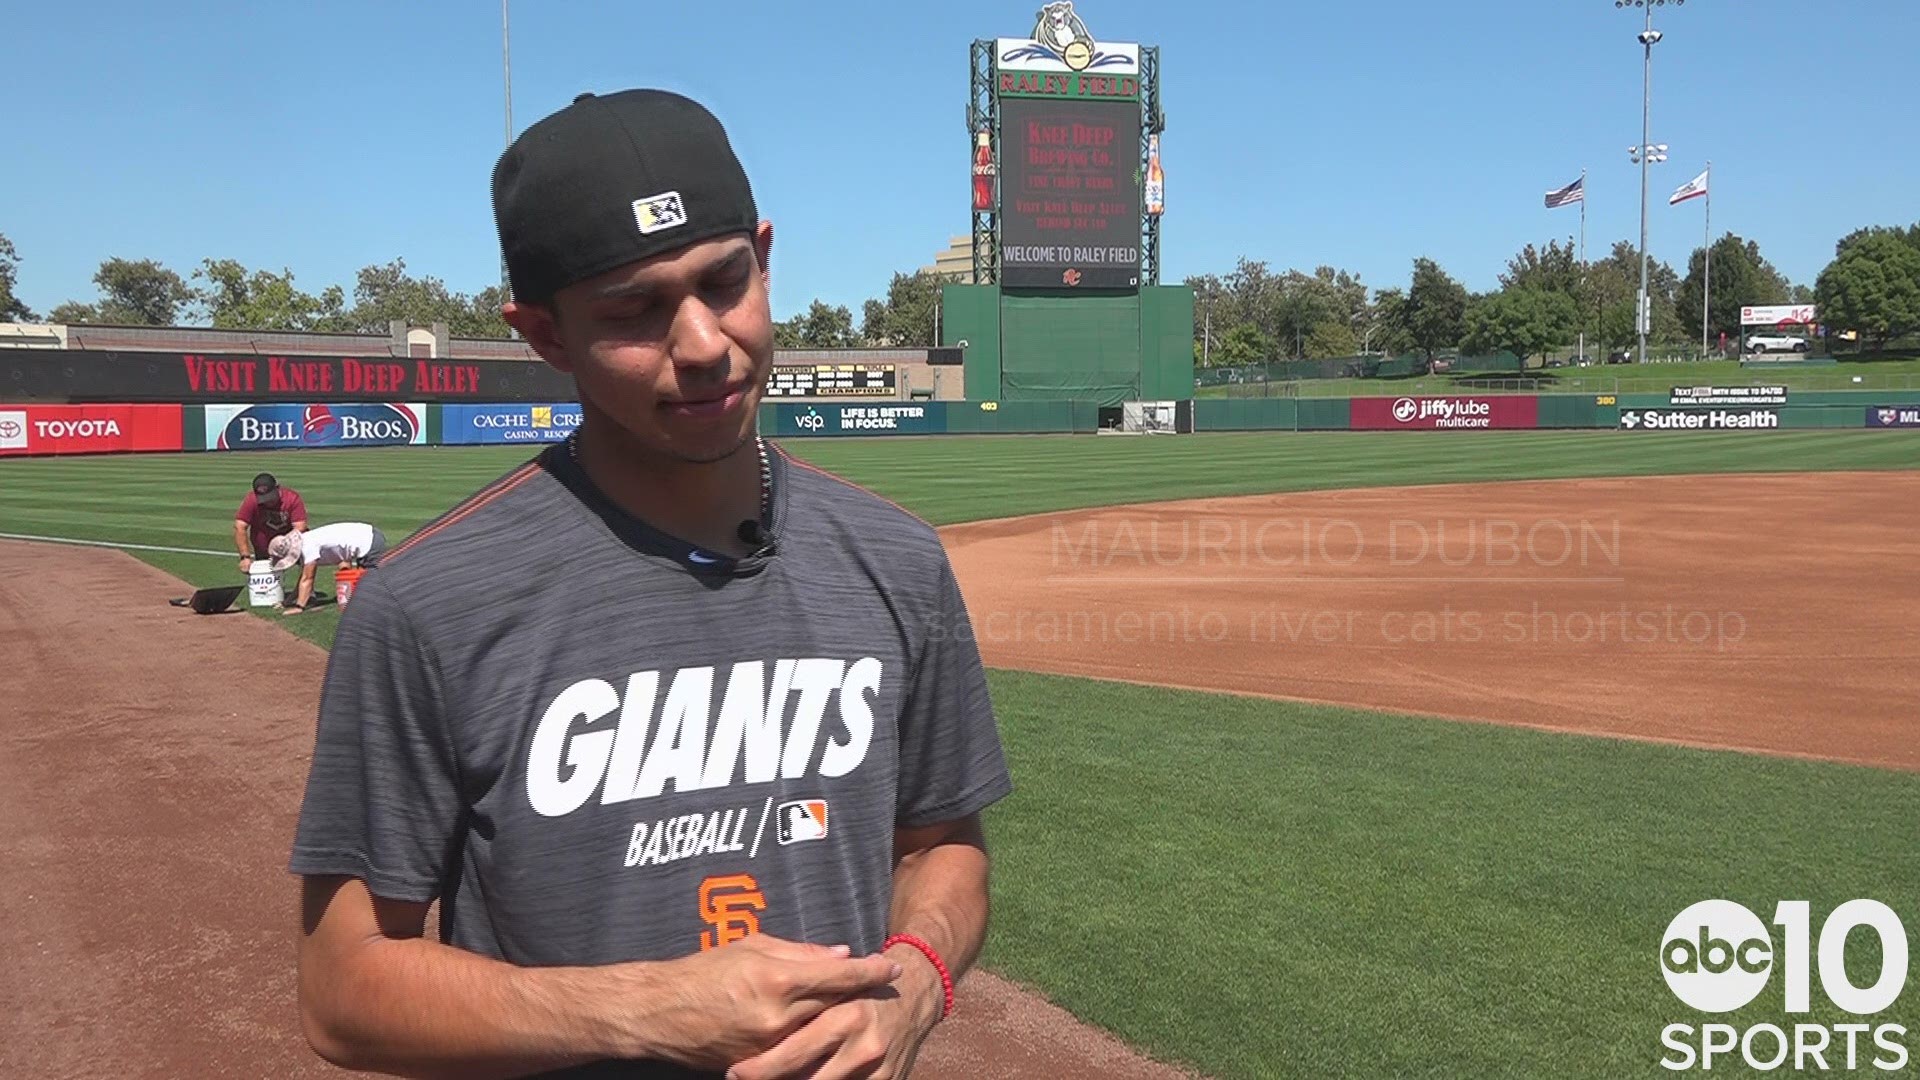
731,905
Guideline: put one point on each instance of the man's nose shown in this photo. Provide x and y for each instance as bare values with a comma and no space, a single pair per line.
698,340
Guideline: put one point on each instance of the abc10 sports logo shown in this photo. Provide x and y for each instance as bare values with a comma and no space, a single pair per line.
1717,957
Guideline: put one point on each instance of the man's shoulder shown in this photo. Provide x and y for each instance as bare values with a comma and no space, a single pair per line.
863,518
482,534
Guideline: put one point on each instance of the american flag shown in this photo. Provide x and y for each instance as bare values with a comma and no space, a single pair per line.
1567,196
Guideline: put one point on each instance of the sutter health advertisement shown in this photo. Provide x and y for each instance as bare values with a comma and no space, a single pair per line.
466,425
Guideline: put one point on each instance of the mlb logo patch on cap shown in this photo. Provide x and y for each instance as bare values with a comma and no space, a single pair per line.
656,213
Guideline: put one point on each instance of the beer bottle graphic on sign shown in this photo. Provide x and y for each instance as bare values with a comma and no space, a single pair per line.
983,172
1156,188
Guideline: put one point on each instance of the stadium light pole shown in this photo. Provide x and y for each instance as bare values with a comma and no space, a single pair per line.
1645,155
506,78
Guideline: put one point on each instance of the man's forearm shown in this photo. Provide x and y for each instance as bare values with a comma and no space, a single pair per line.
419,1008
306,587
241,541
940,896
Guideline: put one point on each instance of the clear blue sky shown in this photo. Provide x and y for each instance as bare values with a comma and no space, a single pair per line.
322,137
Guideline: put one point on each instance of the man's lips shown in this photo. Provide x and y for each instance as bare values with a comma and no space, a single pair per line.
715,405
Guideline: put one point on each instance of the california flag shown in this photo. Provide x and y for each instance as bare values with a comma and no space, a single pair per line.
1692,189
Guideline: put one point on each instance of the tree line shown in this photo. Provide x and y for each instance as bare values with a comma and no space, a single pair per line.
1547,298
225,294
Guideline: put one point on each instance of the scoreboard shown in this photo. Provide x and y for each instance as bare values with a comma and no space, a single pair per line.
833,380
1070,193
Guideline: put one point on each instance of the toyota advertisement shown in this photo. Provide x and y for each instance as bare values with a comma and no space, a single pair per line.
291,427
1445,413
471,425
88,429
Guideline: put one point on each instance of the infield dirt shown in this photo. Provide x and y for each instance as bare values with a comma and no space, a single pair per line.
151,767
1769,613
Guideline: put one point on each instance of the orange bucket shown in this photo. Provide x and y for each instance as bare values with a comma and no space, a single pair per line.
344,580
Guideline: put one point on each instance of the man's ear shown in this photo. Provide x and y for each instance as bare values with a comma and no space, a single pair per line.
541,331
763,251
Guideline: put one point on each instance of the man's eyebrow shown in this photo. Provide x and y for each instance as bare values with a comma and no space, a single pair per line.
626,290
623,290
731,262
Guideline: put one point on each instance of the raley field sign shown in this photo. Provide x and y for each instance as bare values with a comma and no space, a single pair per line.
1444,413
88,429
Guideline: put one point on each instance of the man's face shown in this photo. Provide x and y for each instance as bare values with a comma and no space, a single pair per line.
676,349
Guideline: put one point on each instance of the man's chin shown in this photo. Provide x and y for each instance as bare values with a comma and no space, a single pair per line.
710,449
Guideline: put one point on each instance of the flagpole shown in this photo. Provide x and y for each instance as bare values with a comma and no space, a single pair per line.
1583,263
1706,277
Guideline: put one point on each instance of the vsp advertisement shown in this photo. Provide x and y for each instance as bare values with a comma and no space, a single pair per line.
291,427
474,425
926,418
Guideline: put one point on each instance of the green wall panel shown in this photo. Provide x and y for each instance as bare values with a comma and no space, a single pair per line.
1325,414
971,313
1078,346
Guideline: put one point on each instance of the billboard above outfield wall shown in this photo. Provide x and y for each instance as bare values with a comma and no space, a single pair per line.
925,418
1444,413
88,429
469,425
192,378
284,426
1893,416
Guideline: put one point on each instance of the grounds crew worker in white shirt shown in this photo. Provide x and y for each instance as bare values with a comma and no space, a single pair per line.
345,543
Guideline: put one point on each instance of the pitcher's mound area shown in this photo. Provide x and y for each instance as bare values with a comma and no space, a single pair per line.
151,768
1771,613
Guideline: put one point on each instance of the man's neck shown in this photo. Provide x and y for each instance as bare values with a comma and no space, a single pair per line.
702,503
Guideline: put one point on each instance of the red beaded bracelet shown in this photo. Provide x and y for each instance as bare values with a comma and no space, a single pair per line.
946,980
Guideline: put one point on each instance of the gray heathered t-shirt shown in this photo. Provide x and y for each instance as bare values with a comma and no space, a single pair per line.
593,743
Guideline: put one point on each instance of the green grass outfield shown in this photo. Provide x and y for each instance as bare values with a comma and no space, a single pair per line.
1258,888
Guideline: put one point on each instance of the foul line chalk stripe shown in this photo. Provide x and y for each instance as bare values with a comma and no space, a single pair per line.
111,544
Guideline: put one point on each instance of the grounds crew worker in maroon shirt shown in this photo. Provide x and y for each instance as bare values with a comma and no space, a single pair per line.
782,874
269,510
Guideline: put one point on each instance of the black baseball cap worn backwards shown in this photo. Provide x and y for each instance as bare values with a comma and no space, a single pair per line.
610,180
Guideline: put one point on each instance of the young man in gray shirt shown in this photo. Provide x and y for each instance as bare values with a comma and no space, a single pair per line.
688,739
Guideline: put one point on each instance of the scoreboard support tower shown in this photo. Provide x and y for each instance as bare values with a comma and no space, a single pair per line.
983,113
1063,136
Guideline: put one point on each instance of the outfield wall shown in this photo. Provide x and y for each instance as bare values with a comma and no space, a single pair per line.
141,427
